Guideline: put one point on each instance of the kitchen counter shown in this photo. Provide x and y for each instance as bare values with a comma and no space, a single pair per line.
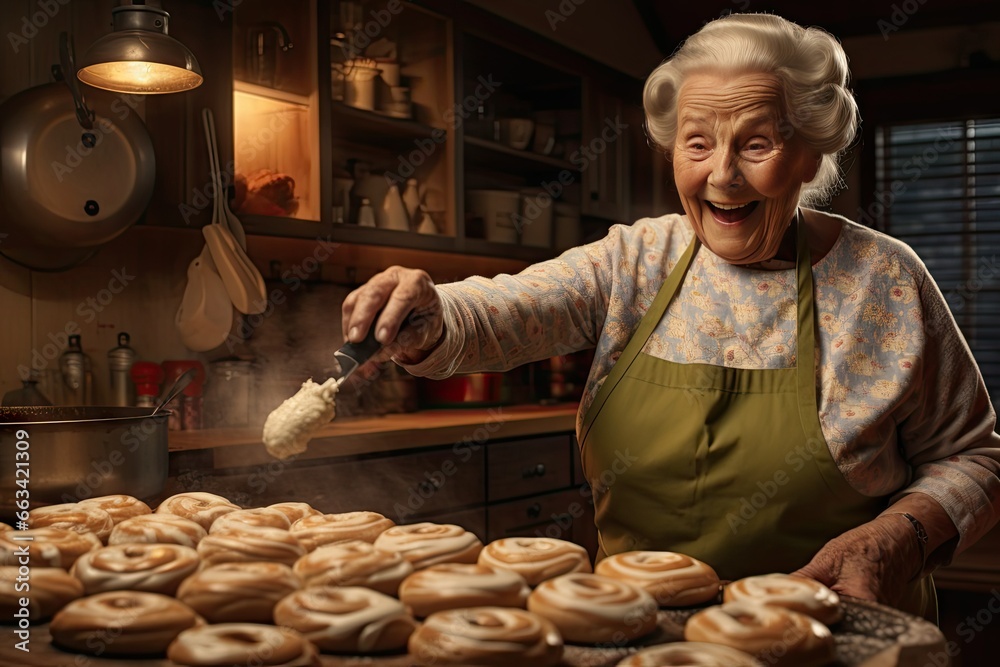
390,433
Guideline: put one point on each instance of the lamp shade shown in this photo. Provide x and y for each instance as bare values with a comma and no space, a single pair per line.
139,56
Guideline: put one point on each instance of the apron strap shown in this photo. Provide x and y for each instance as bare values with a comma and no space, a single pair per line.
805,353
642,333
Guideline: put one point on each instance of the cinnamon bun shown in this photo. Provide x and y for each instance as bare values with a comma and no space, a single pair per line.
460,585
349,619
591,609
426,544
353,563
490,636
536,558
673,579
155,568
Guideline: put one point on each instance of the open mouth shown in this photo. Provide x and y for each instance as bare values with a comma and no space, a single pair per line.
730,214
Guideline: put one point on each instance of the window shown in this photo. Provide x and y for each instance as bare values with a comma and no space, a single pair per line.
938,190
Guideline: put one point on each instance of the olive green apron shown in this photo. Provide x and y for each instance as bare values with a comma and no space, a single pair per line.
727,465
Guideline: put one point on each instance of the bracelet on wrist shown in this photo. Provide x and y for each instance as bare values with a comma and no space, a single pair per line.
921,536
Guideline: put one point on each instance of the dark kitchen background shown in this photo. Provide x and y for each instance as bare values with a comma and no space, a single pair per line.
357,135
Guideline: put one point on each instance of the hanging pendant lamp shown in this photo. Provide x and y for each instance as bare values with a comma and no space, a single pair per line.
139,57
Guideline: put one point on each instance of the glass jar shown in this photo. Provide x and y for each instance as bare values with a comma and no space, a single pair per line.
228,394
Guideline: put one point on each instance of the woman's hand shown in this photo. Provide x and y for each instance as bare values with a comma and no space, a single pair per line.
411,322
874,561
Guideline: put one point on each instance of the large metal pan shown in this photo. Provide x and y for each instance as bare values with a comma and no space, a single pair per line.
75,453
66,189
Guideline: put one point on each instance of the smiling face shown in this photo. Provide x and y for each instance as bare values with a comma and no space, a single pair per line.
738,177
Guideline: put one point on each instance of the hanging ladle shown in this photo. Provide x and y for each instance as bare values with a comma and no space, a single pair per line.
182,381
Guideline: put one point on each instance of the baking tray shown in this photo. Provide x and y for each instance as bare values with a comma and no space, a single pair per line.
870,635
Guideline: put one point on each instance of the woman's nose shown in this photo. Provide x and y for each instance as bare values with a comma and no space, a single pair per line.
725,170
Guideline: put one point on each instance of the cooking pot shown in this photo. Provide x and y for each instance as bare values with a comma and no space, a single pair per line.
74,173
72,453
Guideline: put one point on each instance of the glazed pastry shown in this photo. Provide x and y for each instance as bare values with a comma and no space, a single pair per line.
158,528
50,547
426,544
260,517
773,635
674,580
319,529
155,568
354,563
4,528
238,592
121,623
242,644
348,619
120,506
690,654
459,585
487,636
51,589
198,506
295,511
800,594
591,609
536,558
271,545
73,516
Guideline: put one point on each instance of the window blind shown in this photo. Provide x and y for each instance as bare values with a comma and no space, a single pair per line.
938,190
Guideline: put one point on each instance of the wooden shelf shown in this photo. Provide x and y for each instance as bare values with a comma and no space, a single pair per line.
270,93
372,128
497,156
369,435
371,236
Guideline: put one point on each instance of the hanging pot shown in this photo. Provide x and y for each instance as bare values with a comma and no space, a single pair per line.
74,173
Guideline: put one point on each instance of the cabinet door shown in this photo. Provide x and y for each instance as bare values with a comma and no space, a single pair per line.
606,149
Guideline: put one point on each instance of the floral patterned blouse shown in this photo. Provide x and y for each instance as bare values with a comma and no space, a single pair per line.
903,405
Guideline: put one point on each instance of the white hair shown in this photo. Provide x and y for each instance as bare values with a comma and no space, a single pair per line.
810,64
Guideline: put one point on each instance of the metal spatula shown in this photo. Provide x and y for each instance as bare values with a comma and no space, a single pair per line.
353,355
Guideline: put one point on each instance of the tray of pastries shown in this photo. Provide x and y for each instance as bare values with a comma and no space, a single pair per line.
201,581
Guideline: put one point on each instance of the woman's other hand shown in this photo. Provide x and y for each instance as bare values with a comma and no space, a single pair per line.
875,561
410,324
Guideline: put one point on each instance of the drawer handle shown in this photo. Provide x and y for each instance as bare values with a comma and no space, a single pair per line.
429,486
536,471
534,511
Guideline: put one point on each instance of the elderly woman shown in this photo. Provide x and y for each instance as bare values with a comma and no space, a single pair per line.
789,385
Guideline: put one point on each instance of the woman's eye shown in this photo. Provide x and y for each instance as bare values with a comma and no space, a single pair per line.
757,145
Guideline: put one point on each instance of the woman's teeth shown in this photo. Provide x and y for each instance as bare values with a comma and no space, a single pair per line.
729,214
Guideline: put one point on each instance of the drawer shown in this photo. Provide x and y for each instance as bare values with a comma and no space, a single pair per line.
527,467
400,487
553,515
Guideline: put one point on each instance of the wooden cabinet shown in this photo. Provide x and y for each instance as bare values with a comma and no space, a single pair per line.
606,151
320,103
512,487
528,467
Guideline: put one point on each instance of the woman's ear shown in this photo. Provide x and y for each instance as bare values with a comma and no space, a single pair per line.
812,161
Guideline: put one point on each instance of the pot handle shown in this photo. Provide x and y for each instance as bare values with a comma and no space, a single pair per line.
66,71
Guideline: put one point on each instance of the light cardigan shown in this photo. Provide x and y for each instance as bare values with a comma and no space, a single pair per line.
902,403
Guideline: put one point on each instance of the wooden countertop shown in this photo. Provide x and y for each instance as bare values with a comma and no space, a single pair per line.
368,435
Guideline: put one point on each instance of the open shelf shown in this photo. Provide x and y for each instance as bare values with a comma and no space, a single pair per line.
374,128
271,93
498,156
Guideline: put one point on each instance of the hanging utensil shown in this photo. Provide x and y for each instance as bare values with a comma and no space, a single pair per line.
205,316
242,279
74,174
182,381
226,216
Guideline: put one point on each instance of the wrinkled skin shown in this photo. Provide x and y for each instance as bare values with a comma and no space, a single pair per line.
874,561
411,322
